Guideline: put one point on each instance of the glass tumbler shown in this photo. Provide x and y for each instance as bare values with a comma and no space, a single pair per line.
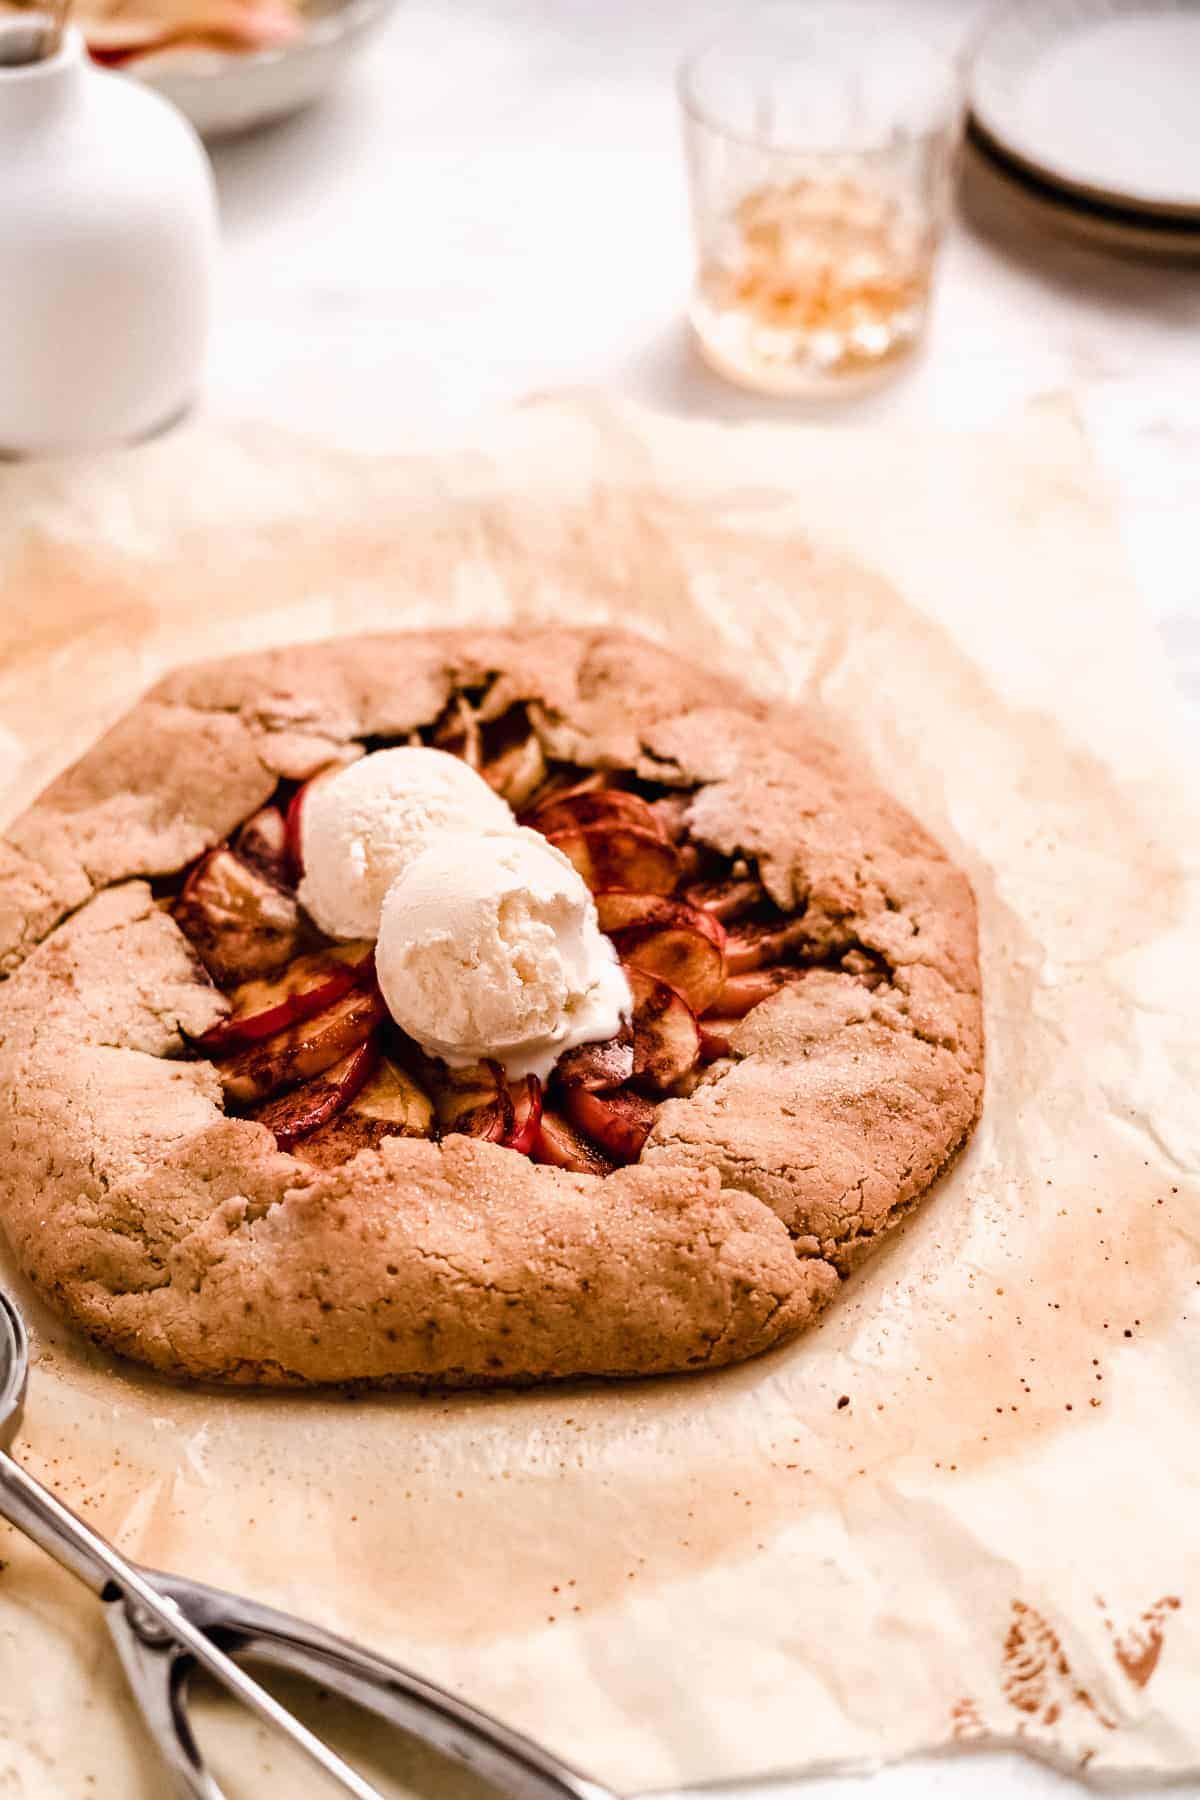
820,143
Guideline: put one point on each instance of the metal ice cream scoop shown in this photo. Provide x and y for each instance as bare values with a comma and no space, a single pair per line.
164,1626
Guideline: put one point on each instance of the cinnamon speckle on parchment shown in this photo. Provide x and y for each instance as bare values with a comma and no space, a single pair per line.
1039,1682
1138,1649
966,1721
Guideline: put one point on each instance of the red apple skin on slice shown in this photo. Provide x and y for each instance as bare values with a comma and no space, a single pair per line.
727,900
605,807
618,1123
307,986
240,924
686,959
742,993
491,1120
527,1115
263,843
560,1145
296,808
758,943
620,856
305,1049
292,823
715,1035
562,786
296,1115
668,938
671,811
666,1037
598,1067
474,1103
391,1104
619,910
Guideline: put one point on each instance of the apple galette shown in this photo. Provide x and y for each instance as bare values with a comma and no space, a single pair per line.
470,1008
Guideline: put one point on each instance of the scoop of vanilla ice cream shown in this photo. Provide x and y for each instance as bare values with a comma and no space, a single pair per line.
490,947
361,827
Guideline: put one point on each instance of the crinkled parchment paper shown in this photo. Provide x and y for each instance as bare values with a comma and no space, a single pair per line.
968,1506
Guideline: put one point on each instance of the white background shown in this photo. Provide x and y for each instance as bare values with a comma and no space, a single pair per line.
493,203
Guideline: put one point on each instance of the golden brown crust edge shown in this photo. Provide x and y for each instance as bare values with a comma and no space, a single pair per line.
186,1239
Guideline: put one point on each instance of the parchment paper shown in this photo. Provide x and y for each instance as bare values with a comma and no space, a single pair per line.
997,1536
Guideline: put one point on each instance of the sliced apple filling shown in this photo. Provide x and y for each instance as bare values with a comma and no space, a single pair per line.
307,1047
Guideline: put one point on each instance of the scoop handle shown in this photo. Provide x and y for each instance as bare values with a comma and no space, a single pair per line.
38,1513
155,1618
507,1760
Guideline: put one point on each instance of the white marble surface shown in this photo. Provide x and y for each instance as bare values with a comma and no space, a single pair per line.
494,202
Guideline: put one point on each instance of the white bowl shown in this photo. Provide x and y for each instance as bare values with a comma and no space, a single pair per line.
227,93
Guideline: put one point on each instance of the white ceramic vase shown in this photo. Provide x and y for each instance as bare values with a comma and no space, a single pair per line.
107,249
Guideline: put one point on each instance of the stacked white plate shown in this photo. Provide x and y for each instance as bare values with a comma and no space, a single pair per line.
1090,109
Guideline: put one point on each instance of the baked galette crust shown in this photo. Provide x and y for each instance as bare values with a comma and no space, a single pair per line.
183,1237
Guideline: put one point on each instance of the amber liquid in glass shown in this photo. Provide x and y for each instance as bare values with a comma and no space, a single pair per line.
812,283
